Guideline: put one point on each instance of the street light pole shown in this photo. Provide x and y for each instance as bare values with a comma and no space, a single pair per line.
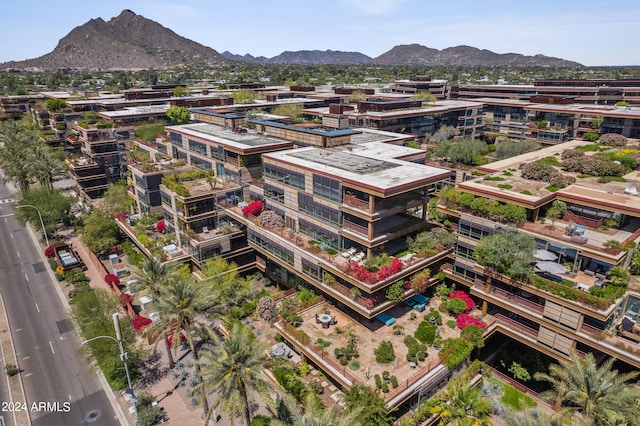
41,221
123,356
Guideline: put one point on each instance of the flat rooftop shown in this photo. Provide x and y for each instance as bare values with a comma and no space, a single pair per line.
374,165
139,111
250,141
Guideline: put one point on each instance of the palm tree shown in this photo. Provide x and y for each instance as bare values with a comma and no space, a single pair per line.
180,303
314,413
599,393
45,165
464,405
233,370
619,275
152,275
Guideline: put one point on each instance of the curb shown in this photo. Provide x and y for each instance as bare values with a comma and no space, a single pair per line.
13,349
103,381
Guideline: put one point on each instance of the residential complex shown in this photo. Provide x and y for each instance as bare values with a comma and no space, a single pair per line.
313,202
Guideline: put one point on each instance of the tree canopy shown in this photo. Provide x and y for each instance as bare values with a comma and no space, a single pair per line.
100,231
510,253
462,151
178,114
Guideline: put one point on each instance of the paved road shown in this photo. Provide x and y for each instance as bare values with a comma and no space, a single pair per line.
45,342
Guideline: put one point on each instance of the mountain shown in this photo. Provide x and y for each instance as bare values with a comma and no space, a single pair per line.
128,41
245,58
314,57
416,54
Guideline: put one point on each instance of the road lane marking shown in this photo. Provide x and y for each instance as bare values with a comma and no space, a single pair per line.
51,346
26,277
18,329
26,357
18,253
11,235
37,308
28,375
69,397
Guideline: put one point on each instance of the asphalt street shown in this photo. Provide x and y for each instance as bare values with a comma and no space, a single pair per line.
56,378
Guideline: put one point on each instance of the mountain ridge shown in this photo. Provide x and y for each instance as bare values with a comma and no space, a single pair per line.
131,41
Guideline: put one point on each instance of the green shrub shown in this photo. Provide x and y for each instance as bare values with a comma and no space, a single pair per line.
435,315
385,387
11,369
304,369
451,324
316,386
456,306
385,353
378,381
260,420
426,332
394,382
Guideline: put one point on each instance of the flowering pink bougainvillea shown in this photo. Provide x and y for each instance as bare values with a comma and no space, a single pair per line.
121,216
254,208
383,273
465,320
112,279
50,251
160,226
183,338
458,294
125,299
140,322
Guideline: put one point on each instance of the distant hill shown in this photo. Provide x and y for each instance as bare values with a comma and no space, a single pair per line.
313,57
416,54
128,41
245,58
306,57
131,41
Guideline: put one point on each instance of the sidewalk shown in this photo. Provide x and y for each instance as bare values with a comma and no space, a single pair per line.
174,406
14,383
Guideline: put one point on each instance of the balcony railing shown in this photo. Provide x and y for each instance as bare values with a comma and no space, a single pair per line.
511,297
353,227
508,322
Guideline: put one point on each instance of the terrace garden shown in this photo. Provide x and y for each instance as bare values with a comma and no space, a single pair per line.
604,163
389,358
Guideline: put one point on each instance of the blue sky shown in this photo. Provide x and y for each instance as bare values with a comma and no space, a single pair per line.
586,31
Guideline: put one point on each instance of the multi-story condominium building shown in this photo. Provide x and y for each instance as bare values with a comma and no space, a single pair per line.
405,116
555,123
102,157
13,107
570,303
438,88
356,200
234,154
597,91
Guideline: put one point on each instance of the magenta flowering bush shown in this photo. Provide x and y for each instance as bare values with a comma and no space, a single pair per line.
459,294
465,320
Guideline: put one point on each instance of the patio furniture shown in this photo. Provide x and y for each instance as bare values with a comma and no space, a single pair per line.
579,239
333,321
278,351
324,319
420,299
409,302
601,276
589,272
386,319
325,325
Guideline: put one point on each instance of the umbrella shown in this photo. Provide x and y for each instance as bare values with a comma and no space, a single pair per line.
551,267
545,255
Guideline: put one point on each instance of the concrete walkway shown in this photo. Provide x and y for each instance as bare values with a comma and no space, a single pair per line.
176,409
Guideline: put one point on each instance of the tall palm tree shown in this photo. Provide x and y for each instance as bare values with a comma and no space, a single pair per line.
464,405
314,413
45,165
152,275
180,303
599,393
619,275
233,370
